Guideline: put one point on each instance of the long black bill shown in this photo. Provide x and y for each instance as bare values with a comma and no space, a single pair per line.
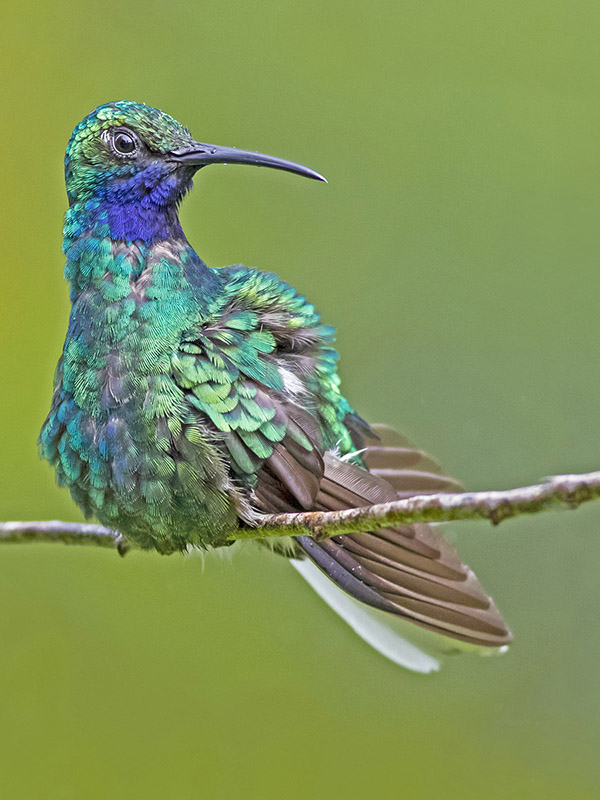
200,155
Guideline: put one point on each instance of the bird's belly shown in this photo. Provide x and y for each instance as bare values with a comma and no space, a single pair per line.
141,463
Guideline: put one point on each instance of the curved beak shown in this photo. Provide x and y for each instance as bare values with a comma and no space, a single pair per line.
200,155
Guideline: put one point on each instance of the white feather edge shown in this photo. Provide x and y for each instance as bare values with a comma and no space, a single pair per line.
377,628
404,643
401,641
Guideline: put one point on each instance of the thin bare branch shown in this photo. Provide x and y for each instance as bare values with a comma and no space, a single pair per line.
56,531
561,490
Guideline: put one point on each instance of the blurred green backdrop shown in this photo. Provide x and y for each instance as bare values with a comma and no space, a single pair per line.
456,249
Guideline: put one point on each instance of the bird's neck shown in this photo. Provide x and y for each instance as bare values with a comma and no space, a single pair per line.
124,218
110,246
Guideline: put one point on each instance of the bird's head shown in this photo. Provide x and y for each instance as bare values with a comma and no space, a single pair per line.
133,158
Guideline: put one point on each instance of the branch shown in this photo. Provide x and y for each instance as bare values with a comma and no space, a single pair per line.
565,490
561,490
66,532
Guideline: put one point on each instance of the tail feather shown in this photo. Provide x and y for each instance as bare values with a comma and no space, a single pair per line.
406,571
393,584
377,628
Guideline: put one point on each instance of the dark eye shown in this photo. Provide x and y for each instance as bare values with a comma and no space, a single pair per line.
124,143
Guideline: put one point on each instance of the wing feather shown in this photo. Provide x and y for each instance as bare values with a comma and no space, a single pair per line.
262,377
413,571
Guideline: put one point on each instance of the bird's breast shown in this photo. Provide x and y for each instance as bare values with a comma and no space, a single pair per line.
126,322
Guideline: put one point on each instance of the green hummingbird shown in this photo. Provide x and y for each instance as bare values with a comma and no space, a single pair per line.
190,400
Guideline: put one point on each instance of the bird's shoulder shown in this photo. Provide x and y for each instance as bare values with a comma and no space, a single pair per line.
253,364
257,327
277,304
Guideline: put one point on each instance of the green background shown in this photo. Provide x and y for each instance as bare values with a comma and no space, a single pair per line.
456,250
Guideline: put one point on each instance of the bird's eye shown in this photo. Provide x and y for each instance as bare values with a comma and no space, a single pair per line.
124,143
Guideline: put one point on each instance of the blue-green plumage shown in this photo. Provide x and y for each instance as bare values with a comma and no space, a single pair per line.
169,393
188,399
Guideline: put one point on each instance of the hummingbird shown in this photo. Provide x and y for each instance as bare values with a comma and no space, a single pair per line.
189,400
